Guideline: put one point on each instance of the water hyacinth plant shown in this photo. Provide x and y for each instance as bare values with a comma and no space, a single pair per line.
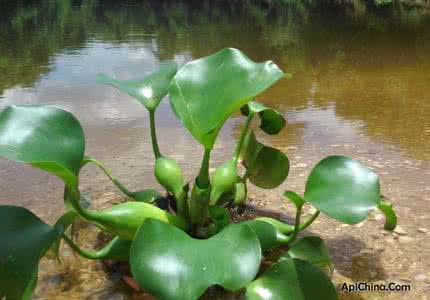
177,251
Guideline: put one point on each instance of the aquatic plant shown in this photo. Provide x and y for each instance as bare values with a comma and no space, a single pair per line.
179,250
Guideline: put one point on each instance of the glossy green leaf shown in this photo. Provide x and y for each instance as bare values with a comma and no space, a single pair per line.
343,189
150,90
267,167
169,264
272,121
24,240
292,279
205,92
123,220
46,137
311,249
268,235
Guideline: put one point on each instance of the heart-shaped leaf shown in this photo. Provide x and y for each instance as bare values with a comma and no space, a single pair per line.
267,167
343,189
205,92
44,136
292,279
25,239
311,249
168,263
150,90
271,121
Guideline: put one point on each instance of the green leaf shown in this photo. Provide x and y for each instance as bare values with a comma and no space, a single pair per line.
25,239
292,279
343,189
268,234
267,167
311,249
169,264
272,121
205,92
44,136
150,90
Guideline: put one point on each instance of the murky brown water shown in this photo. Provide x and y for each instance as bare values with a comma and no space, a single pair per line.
361,87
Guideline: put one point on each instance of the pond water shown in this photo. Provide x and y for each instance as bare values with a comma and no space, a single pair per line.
360,87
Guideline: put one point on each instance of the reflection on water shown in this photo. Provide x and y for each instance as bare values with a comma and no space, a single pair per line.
355,65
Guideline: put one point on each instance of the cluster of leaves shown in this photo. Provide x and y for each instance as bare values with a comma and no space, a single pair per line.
178,252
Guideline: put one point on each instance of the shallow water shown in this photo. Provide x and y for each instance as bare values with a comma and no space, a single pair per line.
360,87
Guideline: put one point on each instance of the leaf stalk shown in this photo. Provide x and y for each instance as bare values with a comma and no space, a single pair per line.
154,141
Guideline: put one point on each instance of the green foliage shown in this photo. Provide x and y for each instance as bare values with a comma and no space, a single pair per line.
292,279
150,90
198,99
272,121
25,239
171,265
266,167
343,189
180,249
268,235
46,137
311,249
